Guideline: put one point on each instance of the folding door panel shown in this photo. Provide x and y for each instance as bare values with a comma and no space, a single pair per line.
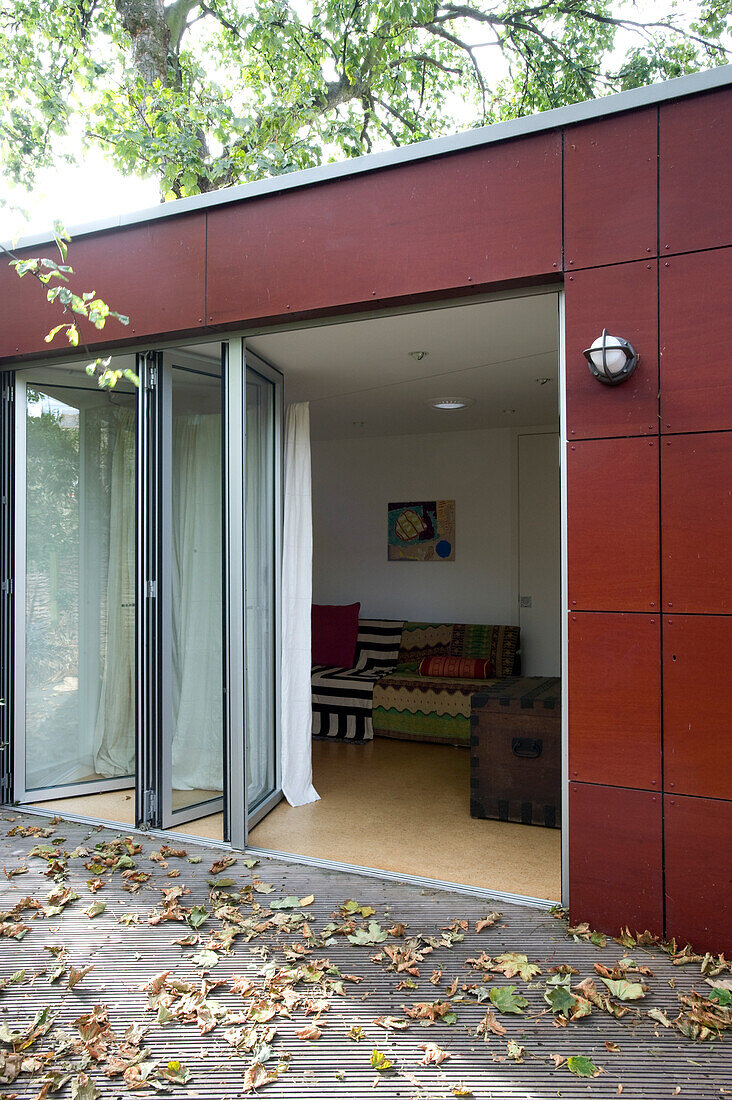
75,592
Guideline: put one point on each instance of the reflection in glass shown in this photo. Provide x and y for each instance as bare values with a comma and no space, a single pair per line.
197,588
260,590
80,584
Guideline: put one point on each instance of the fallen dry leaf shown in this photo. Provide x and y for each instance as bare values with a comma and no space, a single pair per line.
433,1055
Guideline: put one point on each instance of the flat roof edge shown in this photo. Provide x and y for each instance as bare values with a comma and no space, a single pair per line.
544,121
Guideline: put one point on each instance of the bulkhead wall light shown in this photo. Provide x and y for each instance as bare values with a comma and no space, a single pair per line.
611,359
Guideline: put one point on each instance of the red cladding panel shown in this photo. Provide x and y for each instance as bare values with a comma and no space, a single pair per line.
624,300
698,833
612,524
696,381
458,221
615,858
154,273
615,700
695,169
696,705
696,510
610,190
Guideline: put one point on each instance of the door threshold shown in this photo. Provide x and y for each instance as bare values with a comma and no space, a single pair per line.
408,880
543,904
120,826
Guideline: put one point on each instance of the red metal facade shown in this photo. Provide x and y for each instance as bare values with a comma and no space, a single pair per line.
629,211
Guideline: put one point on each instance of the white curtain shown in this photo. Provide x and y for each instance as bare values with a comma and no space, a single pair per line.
196,609
197,595
297,581
114,733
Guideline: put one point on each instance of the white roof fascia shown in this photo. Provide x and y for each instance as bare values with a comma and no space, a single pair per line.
558,117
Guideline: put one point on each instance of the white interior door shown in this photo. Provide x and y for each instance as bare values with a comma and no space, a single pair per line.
539,554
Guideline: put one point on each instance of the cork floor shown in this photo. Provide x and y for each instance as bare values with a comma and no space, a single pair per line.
402,806
398,806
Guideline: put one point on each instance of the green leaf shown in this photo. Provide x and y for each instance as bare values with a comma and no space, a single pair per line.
197,916
624,990
290,902
507,1000
95,909
581,1066
367,937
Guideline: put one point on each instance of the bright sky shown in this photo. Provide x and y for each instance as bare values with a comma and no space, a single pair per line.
76,196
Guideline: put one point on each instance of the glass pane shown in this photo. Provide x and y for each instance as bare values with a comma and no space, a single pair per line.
80,582
197,588
260,593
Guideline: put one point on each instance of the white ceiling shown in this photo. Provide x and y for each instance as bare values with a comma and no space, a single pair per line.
360,379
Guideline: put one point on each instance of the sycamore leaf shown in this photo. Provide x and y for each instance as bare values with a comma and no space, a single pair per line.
391,1023
461,1090
660,1017
221,883
506,999
221,864
290,902
94,909
433,1055
560,999
487,922
205,959
380,1062
175,1071
512,965
83,1088
75,976
197,916
312,1032
194,859
356,1033
249,863
368,936
490,1023
582,1066
514,1051
625,990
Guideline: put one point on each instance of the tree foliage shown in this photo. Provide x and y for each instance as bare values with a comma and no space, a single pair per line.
205,93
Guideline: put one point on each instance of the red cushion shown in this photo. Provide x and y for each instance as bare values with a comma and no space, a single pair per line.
457,668
335,633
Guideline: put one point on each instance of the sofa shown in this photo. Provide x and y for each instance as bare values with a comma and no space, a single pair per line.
385,694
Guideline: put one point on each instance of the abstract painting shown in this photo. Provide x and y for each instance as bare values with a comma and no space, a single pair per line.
422,530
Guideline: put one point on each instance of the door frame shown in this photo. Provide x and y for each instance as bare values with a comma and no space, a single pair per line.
234,503
255,363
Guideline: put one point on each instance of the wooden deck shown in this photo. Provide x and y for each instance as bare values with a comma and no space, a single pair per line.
639,1056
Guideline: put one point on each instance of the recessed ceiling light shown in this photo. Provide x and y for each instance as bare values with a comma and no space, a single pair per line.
508,410
450,404
543,381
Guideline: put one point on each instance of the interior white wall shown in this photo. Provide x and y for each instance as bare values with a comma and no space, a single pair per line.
355,479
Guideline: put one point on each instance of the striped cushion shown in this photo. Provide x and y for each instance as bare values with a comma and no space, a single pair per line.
342,697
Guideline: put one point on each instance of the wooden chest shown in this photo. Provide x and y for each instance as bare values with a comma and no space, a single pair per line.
515,751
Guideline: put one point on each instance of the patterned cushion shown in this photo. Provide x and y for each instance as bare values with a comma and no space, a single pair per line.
472,668
497,644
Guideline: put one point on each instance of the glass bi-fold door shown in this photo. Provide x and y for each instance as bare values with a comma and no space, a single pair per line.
146,550
74,585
